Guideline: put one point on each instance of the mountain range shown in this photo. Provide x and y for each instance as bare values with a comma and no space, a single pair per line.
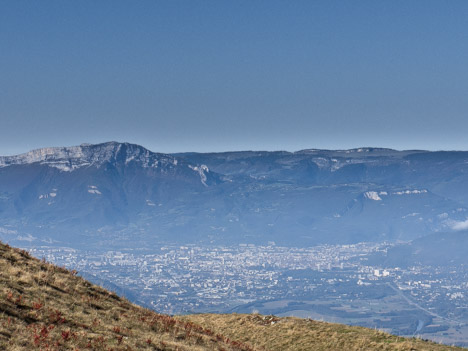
114,194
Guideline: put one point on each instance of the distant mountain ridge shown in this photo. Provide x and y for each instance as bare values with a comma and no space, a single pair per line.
95,193
361,160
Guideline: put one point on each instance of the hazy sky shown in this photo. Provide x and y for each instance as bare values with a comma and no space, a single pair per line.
231,75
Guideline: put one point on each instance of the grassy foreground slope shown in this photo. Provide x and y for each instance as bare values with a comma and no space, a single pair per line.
44,307
273,333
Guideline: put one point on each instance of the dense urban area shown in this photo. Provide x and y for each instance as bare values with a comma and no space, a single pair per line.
329,282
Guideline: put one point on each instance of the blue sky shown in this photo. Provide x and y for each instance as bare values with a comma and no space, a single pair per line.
234,75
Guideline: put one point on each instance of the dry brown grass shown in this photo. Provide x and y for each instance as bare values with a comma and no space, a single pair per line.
44,307
272,333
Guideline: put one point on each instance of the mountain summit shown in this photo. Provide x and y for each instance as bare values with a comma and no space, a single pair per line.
86,188
85,155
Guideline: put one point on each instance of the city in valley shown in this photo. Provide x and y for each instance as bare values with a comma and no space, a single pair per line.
338,283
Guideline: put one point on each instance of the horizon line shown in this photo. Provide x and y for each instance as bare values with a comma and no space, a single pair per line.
313,149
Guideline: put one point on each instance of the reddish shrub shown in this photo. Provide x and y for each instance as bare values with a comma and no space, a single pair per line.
37,305
66,335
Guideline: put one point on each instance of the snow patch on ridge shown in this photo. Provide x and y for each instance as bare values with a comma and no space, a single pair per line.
377,196
92,189
372,195
459,225
49,195
410,192
414,214
202,170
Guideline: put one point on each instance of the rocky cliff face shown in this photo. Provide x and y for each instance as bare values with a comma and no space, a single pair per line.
71,158
68,159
